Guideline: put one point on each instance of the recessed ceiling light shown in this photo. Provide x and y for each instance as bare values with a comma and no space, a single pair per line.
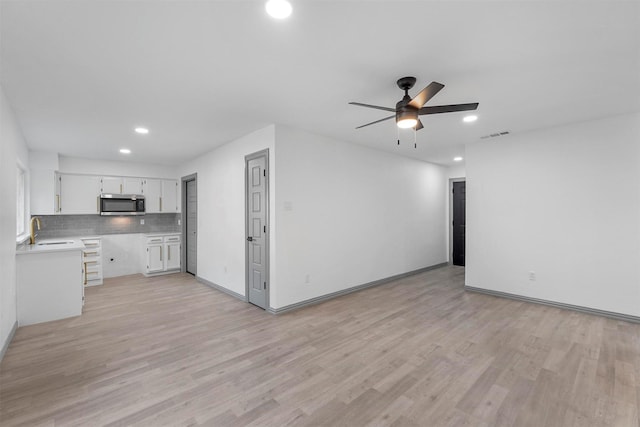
125,151
457,159
469,119
142,131
279,9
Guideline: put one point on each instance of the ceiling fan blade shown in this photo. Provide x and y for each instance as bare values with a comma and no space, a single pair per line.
377,121
419,125
447,108
426,94
377,107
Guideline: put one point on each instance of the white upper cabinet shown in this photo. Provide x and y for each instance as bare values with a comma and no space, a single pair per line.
56,202
152,195
111,185
44,185
71,194
79,194
120,185
161,195
132,185
169,196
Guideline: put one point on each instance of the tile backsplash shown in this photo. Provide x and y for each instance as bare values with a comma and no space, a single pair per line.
54,226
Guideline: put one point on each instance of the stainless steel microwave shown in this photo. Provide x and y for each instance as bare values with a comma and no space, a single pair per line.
122,204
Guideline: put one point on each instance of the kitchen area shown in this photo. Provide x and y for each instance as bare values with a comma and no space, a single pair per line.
86,227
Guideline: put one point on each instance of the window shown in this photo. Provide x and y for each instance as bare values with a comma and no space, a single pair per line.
21,213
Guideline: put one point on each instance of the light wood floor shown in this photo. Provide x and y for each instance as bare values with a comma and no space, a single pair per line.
417,352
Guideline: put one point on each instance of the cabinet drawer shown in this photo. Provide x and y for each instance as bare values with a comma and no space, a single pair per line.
154,240
171,238
92,266
92,275
91,243
91,255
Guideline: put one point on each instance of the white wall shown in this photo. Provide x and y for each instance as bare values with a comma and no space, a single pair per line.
108,167
127,250
564,203
13,150
348,215
221,204
456,171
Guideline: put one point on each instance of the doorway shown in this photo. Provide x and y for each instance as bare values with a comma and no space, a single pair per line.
257,228
458,222
190,223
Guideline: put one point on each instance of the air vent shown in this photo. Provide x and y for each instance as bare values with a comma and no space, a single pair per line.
495,135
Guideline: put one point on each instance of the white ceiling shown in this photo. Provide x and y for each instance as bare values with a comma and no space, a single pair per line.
81,75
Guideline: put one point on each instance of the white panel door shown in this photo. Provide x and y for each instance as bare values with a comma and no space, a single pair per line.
79,194
257,217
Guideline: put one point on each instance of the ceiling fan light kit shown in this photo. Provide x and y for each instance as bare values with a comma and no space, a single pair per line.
408,109
407,119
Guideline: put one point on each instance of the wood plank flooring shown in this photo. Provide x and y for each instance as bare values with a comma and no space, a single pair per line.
416,352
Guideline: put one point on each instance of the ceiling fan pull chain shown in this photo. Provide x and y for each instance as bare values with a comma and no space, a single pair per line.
415,143
398,134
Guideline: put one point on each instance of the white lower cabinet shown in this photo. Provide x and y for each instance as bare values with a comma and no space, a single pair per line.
173,248
49,285
162,254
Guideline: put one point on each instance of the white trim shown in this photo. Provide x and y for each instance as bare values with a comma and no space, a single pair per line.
323,298
5,346
587,310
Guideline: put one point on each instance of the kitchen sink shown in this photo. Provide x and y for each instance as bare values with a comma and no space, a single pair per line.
55,242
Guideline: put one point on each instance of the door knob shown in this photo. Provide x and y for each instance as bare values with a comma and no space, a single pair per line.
250,239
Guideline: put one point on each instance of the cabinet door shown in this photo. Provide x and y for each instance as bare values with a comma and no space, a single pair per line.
56,202
111,185
155,258
131,185
173,255
42,185
169,201
79,194
152,194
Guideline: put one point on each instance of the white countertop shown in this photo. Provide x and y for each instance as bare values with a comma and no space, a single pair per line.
174,233
50,245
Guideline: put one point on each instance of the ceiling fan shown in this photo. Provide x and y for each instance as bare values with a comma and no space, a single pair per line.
408,109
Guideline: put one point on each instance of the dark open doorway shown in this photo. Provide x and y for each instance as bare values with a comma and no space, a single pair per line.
190,223
458,223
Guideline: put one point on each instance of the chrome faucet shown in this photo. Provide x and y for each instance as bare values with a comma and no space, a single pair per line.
32,238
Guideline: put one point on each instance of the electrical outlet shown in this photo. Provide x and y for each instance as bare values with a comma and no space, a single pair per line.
142,222
179,222
225,269
307,279
532,276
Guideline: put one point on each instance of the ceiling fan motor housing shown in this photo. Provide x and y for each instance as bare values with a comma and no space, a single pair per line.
404,110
